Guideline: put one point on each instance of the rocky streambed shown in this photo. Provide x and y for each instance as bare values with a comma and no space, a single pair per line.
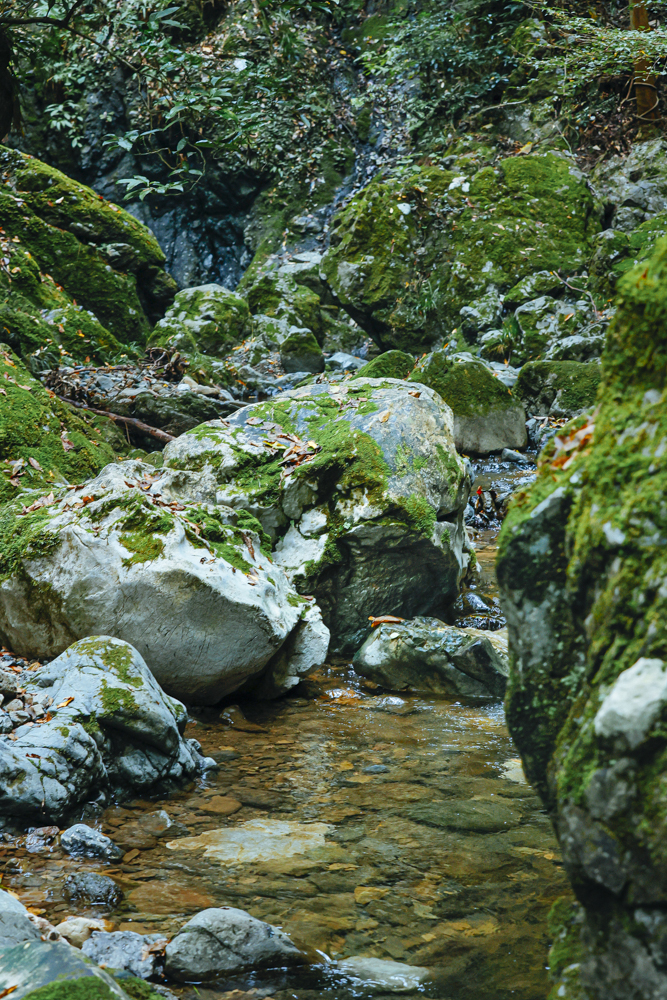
392,837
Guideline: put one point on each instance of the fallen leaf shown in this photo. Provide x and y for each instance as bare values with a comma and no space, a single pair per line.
384,620
131,855
66,702
10,989
67,444
384,417
415,394
35,464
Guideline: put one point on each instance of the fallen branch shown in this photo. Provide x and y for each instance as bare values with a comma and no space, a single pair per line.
128,421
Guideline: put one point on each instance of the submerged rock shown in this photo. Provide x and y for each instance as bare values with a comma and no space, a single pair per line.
225,940
384,974
486,416
109,727
581,565
95,890
191,586
361,488
426,655
84,841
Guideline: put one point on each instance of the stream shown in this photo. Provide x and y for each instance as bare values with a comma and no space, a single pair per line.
361,822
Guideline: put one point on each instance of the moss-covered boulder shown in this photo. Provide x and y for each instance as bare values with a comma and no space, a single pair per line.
391,364
409,253
581,565
300,352
73,242
191,585
486,416
46,970
360,486
42,442
208,318
557,388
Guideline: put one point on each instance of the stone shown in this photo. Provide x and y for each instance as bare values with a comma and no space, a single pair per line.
300,352
97,890
120,563
94,300
15,923
391,364
383,974
221,805
558,388
76,930
85,841
111,729
27,967
490,816
633,187
255,840
580,567
634,703
124,950
224,940
206,318
341,362
482,314
487,418
424,654
515,457
376,459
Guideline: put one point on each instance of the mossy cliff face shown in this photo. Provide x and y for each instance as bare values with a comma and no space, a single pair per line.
582,566
78,263
409,252
42,443
367,514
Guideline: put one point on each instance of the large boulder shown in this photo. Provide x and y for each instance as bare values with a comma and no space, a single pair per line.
42,441
361,488
558,388
94,258
581,568
410,251
220,941
102,725
191,585
426,655
207,318
486,416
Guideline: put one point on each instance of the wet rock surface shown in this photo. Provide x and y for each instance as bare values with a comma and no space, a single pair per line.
424,654
106,725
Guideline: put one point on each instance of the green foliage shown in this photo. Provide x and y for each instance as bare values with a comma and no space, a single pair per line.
256,86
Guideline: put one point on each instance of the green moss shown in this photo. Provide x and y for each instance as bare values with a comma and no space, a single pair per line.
208,319
87,988
103,259
139,989
391,364
116,700
467,387
575,384
32,425
567,950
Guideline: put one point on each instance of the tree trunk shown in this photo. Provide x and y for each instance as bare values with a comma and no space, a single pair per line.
646,85
9,105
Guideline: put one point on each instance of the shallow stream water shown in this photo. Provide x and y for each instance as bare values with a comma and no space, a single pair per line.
359,821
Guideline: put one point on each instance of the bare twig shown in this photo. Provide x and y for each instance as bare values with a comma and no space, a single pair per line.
127,421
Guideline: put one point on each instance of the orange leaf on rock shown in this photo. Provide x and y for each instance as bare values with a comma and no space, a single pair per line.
384,620
66,702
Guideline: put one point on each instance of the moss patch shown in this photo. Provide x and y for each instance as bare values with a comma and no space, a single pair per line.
467,387
391,364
